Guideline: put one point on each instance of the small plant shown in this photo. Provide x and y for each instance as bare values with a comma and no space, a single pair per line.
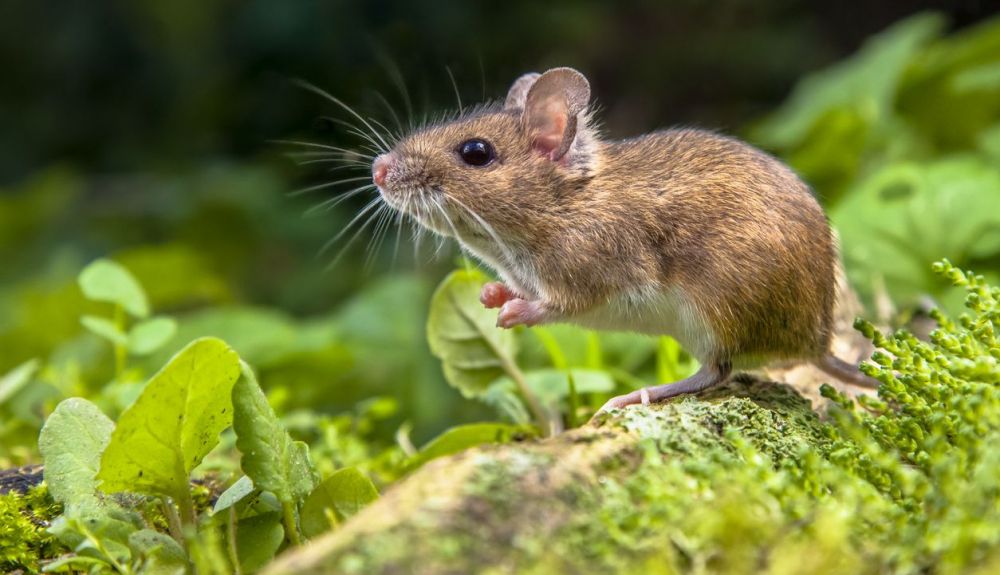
130,502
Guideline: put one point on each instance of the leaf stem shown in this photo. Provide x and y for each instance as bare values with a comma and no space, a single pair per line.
234,557
186,505
173,521
541,416
120,351
291,529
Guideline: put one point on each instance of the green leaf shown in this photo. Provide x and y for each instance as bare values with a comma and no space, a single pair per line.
257,540
270,457
161,555
17,378
236,492
462,437
149,335
552,385
104,328
71,443
174,423
345,493
463,334
108,281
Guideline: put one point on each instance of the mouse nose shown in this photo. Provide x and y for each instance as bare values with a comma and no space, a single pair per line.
380,168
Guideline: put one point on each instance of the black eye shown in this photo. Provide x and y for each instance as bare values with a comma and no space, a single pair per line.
476,152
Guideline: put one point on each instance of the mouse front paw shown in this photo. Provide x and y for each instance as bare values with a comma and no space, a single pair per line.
518,311
495,294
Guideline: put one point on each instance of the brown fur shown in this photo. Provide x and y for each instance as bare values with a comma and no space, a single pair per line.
731,226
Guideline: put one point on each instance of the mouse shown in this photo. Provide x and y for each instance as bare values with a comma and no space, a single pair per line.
681,232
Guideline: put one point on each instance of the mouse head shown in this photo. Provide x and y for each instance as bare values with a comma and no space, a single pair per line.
499,170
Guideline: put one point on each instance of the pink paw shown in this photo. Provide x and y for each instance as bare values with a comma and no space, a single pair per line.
495,294
520,312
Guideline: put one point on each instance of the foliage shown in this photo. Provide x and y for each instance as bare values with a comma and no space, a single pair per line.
748,479
211,269
125,487
900,141
23,543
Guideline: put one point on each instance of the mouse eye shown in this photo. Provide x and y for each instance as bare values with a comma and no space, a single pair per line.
476,152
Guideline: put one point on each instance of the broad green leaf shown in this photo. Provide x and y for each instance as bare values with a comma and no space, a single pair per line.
97,531
236,492
463,334
462,437
160,554
71,443
147,336
108,281
17,378
257,540
903,217
270,457
174,423
104,328
345,493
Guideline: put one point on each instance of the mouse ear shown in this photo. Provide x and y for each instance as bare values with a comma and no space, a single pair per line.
551,108
519,91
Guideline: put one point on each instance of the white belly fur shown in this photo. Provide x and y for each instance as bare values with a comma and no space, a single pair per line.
655,311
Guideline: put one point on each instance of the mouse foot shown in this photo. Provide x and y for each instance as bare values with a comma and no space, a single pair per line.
706,377
521,312
495,294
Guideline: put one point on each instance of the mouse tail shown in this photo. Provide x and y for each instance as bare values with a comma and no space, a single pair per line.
845,372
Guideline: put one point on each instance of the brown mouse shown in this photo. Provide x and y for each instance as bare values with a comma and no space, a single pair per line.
680,232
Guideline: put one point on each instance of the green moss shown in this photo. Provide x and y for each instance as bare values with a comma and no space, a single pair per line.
744,479
24,541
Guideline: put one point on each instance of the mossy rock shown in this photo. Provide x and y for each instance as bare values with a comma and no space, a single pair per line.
573,503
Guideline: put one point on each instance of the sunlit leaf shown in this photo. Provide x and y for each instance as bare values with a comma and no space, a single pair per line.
108,281
71,443
270,458
462,437
161,555
149,335
258,539
174,423
463,334
344,493
104,328
17,378
236,492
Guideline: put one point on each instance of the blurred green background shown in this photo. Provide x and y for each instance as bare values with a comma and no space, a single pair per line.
141,130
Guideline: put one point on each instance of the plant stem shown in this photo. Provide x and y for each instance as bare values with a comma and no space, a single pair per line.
120,351
574,401
541,416
291,529
173,521
186,505
234,557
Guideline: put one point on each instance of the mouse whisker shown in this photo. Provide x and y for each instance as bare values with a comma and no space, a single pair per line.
305,144
313,88
299,192
330,203
458,97
365,211
375,240
389,134
399,233
508,253
392,112
398,81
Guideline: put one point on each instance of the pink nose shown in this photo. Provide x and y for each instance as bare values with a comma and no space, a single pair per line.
380,168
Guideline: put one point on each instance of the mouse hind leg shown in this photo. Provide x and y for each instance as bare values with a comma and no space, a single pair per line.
709,375
844,371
